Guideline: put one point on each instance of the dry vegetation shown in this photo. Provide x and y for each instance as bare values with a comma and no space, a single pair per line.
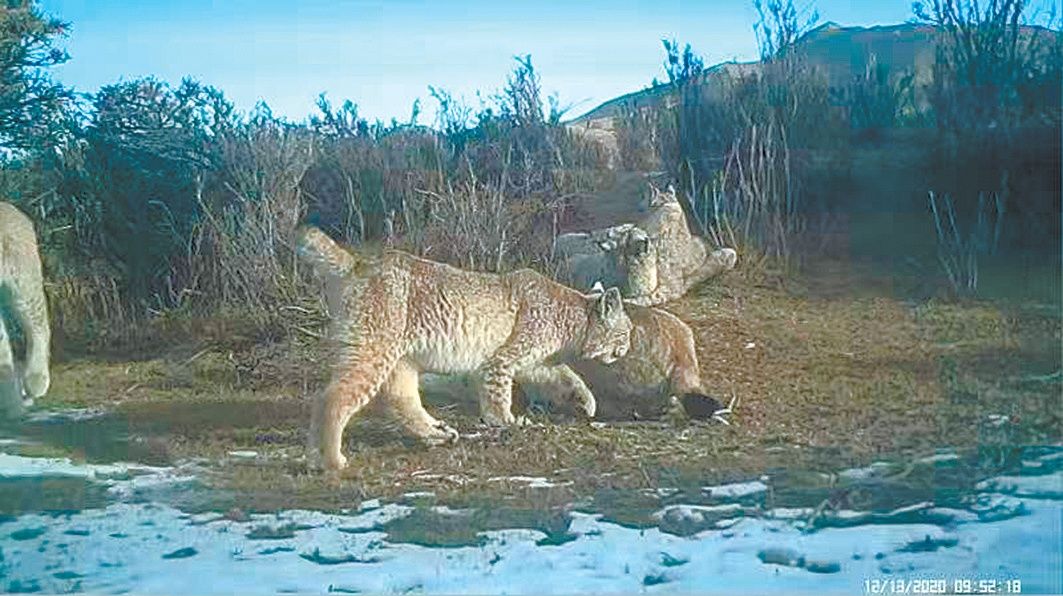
824,383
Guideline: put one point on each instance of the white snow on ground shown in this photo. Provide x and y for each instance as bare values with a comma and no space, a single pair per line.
148,548
19,466
530,481
121,478
736,490
122,547
65,415
875,469
938,458
1048,486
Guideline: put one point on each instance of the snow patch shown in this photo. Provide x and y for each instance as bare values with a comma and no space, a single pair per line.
530,481
148,549
735,490
1048,486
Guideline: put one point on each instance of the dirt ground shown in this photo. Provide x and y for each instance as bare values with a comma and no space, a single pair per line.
825,381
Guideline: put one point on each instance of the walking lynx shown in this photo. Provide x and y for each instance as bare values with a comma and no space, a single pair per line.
397,316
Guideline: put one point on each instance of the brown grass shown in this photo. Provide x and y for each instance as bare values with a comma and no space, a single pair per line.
824,383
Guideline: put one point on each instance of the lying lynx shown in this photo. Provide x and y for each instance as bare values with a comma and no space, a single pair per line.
661,365
683,259
653,261
22,285
661,368
403,315
622,256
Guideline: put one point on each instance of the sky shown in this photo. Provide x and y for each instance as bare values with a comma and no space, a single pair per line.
383,55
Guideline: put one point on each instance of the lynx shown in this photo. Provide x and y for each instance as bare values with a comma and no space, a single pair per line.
22,284
653,261
683,259
661,367
399,315
621,256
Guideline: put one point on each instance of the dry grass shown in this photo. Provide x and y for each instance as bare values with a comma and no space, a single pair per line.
824,383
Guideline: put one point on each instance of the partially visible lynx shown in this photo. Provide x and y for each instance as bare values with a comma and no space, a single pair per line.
401,315
661,365
683,259
22,286
653,261
624,256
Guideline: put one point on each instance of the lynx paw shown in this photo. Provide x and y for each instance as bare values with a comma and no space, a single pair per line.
504,418
334,463
441,434
35,383
585,403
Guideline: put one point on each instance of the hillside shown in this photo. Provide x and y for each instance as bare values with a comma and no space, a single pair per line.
842,53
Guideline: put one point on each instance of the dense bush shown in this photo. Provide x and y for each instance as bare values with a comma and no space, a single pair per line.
159,197
764,153
156,198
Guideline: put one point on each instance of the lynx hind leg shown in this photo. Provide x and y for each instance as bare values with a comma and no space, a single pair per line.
558,385
30,307
345,395
11,402
403,402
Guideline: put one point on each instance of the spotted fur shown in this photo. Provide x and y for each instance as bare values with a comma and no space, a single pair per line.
661,363
402,315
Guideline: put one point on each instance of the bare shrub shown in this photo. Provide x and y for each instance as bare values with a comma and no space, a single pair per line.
470,226
991,70
880,98
90,311
780,24
958,252
242,252
752,202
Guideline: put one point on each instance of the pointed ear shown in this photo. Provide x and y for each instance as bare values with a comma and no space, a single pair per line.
597,288
610,303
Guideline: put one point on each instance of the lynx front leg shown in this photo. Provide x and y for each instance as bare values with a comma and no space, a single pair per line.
496,376
496,393
11,402
32,311
403,401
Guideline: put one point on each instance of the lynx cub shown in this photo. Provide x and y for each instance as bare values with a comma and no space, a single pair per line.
661,365
653,261
22,285
401,315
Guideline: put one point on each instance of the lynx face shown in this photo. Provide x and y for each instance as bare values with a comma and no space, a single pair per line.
638,261
608,335
659,198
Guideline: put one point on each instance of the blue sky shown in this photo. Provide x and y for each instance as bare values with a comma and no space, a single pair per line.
384,55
